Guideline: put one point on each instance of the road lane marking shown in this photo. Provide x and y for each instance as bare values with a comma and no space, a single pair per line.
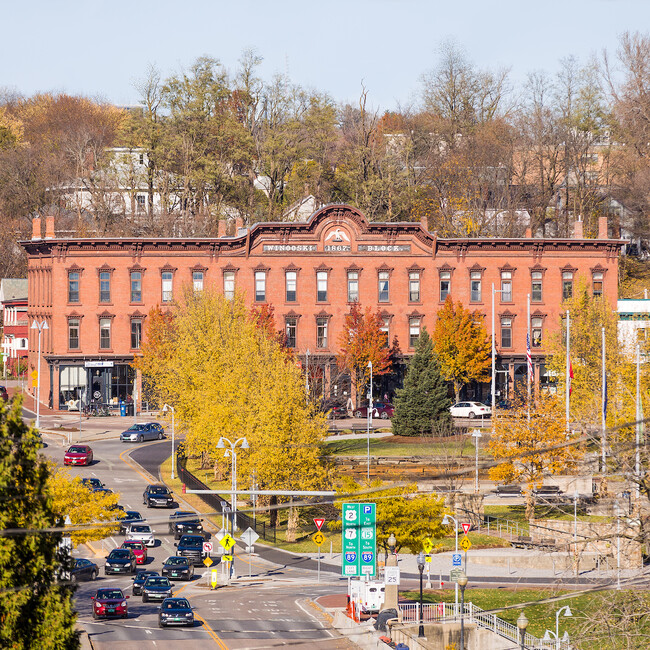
131,464
211,632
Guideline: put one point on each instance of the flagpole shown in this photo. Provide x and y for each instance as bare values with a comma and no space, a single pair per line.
603,423
529,362
568,378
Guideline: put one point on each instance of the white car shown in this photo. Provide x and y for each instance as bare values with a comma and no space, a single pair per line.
469,410
141,533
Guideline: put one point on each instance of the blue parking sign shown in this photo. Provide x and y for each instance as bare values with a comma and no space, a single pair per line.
456,560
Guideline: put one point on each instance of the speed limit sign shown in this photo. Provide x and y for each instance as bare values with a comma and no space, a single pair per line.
207,547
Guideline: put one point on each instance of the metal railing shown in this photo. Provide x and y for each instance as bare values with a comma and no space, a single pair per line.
218,504
440,612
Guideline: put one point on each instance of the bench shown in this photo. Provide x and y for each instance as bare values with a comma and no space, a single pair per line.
523,541
547,543
548,490
508,491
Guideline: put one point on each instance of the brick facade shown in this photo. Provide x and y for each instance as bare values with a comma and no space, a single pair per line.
337,244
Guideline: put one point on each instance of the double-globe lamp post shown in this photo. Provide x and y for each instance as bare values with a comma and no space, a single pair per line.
462,583
165,409
420,561
40,326
243,443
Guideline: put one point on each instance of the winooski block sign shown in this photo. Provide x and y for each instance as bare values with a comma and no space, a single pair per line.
359,557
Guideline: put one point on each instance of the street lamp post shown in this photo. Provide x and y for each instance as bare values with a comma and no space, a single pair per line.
369,418
567,612
476,434
40,326
446,520
243,443
522,624
462,582
307,372
420,561
618,546
494,361
165,409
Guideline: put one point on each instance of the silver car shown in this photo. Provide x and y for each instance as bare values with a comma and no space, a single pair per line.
143,431
141,533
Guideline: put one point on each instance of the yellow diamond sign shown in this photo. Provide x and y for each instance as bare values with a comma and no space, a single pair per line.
208,561
427,545
227,541
465,544
318,538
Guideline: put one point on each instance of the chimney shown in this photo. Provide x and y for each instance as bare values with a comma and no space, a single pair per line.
578,232
221,228
49,226
239,225
424,223
602,228
36,227
529,233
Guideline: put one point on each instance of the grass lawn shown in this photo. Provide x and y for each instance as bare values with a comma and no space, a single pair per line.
541,617
454,446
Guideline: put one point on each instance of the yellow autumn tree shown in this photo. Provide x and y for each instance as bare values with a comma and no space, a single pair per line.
226,376
71,498
461,344
529,449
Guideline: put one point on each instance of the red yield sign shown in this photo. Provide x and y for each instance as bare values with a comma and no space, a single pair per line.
466,528
319,522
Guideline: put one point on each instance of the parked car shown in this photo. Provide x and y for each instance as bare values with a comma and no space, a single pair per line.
78,455
184,523
179,568
156,588
175,611
141,533
4,395
469,410
191,547
334,409
120,560
92,483
83,569
157,496
383,410
108,603
143,431
138,548
127,518
140,578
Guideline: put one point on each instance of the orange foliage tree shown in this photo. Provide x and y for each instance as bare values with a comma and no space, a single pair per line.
361,341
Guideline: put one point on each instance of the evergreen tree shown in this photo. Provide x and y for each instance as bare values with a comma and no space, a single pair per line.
35,610
424,396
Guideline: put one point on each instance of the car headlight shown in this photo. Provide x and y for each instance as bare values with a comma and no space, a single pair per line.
124,603
108,565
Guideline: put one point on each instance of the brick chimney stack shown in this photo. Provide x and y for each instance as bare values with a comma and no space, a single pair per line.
578,232
36,227
424,222
529,233
239,224
602,228
49,226
221,228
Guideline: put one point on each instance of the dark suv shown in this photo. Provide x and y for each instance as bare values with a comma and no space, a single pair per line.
191,547
184,523
157,496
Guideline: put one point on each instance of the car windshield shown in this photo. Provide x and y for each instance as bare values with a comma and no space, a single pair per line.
130,544
118,554
176,604
158,489
140,529
132,514
145,575
77,450
180,513
157,582
189,540
109,593
136,427
176,560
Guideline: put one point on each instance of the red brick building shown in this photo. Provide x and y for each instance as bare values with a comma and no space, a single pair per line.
95,294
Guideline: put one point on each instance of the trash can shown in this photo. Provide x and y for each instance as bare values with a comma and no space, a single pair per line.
122,409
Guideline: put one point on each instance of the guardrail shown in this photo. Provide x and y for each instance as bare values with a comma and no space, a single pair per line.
445,612
216,502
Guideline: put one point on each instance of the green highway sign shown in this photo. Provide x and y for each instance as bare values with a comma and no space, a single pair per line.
359,544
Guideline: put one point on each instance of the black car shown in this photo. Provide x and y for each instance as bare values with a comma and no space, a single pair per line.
92,483
102,490
191,547
157,496
175,611
120,560
184,523
334,409
83,570
156,588
127,518
140,578
178,568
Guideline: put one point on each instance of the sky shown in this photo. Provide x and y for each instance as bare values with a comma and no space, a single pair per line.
102,48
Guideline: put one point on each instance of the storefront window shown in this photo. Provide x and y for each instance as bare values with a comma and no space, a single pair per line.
72,387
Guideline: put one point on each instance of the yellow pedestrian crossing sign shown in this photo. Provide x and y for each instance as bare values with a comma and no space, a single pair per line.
227,541
465,544
227,558
427,545
318,538
208,561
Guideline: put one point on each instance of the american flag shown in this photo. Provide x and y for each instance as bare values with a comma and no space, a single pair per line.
529,359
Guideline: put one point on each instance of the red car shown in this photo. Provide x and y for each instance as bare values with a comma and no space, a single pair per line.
383,410
78,455
109,602
138,548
